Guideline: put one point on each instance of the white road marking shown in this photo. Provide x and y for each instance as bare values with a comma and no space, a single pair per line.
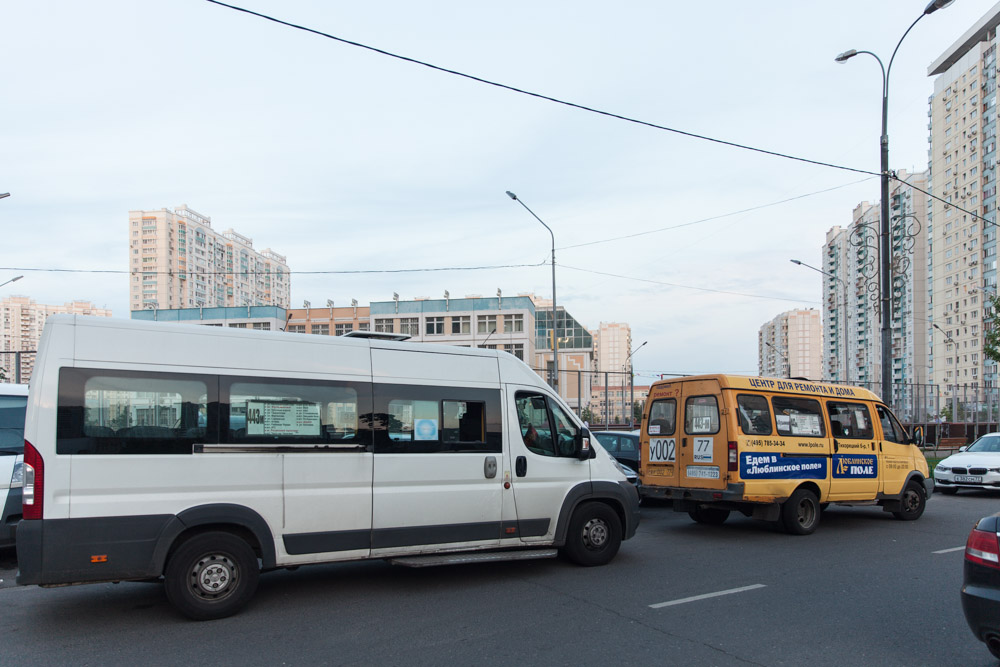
948,551
706,596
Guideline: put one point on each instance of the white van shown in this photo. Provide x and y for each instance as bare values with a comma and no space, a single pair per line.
13,400
205,455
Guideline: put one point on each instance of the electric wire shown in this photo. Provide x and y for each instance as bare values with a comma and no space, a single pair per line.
714,217
690,287
540,96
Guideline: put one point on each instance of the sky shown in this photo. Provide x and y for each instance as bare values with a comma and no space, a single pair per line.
345,160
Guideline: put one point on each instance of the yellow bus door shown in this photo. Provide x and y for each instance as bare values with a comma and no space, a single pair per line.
896,452
703,454
854,465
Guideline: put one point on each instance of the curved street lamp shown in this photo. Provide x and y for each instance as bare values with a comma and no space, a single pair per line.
12,280
555,331
885,251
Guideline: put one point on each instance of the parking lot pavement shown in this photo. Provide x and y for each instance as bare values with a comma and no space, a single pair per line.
8,567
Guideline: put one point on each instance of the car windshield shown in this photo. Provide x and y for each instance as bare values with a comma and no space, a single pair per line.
987,443
12,422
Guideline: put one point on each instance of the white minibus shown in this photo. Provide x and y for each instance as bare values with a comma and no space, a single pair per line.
205,455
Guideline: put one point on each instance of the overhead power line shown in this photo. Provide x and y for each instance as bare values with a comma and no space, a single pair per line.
714,217
540,96
691,287
138,272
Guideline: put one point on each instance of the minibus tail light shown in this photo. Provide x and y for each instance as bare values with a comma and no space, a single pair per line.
34,479
983,548
733,460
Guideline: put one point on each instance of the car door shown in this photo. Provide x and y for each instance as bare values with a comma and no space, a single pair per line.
546,467
896,452
703,454
854,468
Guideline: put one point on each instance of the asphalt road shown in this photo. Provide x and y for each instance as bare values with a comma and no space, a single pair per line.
864,589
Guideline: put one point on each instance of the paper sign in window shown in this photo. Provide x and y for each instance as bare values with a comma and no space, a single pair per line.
282,419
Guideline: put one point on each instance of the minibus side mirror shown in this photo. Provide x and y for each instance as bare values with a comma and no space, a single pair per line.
583,449
918,436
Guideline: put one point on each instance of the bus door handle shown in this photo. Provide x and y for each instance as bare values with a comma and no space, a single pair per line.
836,446
490,467
684,442
521,466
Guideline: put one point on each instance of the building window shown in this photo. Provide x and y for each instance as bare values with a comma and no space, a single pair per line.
513,323
262,326
320,329
409,326
517,349
461,325
341,329
485,323
363,326
434,326
296,328
384,325
237,325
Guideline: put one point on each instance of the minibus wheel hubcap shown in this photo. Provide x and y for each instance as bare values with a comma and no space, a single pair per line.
213,575
595,534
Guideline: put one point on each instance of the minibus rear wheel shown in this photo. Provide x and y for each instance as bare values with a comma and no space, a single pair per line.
595,534
800,513
211,575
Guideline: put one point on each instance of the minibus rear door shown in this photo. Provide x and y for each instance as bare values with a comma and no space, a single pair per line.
703,451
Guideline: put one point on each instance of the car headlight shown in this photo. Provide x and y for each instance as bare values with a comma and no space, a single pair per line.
994,469
17,479
941,468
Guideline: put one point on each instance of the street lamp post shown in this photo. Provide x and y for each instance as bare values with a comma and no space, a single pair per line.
885,252
631,383
555,331
847,366
12,280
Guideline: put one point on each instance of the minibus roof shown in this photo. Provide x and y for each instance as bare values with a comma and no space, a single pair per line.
777,385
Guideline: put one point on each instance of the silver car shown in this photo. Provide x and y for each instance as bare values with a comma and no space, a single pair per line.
974,467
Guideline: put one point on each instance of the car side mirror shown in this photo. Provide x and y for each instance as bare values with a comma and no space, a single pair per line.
583,449
918,436
963,448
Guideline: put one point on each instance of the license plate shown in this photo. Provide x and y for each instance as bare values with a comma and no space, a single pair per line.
703,472
969,478
660,471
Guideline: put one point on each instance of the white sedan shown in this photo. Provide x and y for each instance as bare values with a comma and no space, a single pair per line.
973,467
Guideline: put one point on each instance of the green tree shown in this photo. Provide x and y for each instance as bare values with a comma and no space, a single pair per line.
991,337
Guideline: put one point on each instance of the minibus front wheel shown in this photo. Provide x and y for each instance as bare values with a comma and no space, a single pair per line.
211,575
800,513
595,534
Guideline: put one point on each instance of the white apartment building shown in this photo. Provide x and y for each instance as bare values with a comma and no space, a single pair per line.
962,161
21,329
852,340
790,345
612,344
177,260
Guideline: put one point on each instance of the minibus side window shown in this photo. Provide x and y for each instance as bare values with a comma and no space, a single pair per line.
535,427
133,412
701,415
662,417
415,419
754,414
850,420
891,429
270,411
800,417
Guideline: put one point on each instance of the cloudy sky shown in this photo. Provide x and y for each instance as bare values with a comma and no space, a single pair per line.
344,159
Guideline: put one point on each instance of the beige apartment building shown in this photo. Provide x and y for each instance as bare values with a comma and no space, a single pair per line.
610,404
612,344
962,141
177,260
21,329
790,345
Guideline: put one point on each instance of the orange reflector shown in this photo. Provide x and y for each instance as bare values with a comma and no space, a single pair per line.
717,496
102,558
510,531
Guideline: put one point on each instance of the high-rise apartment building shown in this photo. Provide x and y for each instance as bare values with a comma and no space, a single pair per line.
852,341
177,260
962,161
21,329
612,344
790,345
